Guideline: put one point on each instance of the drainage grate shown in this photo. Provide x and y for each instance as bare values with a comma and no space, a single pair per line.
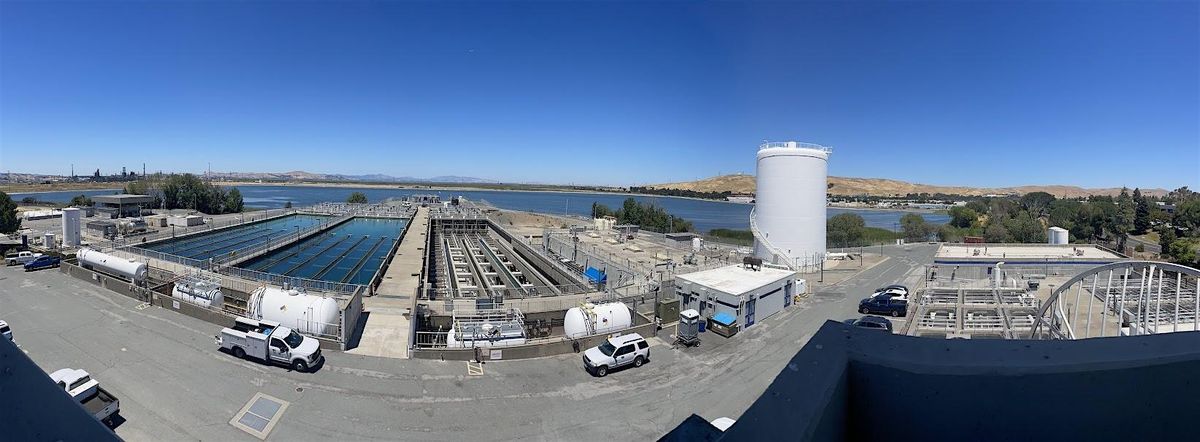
259,415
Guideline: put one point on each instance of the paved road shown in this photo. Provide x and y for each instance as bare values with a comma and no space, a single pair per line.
174,384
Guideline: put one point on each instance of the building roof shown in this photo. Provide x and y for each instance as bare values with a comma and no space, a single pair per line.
735,279
123,198
992,252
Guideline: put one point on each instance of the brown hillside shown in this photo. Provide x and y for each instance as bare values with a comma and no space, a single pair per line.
742,183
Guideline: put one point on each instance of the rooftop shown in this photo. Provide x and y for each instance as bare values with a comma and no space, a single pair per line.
993,252
123,198
736,279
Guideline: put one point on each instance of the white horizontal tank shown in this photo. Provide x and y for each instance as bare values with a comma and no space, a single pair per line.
789,207
132,270
305,313
590,319
199,291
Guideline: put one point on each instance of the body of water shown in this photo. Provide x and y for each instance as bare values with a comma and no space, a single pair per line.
704,214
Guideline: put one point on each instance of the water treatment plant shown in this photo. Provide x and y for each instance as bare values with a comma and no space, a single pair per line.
457,301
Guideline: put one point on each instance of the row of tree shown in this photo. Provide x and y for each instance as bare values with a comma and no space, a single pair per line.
187,191
648,216
680,192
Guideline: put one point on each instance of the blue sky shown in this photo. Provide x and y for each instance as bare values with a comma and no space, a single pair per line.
958,93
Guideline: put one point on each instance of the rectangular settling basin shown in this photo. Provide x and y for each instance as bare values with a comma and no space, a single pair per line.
206,245
350,253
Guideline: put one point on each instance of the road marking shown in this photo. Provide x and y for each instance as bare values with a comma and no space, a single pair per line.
474,368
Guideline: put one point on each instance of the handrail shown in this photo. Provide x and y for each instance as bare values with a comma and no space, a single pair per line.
758,236
795,144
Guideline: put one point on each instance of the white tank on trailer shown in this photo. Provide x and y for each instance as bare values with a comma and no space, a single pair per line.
133,270
789,203
591,319
200,291
293,308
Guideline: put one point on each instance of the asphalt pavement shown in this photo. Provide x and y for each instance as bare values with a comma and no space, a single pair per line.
174,384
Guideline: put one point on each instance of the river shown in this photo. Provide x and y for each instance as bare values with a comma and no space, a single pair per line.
704,214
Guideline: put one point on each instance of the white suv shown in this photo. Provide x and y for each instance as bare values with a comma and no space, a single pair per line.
618,351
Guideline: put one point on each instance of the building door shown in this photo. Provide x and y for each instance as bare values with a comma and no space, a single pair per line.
789,292
750,312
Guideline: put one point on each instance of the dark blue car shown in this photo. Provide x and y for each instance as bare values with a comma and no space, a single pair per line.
42,262
883,305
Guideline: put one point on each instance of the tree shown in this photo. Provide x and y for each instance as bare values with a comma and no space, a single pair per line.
1183,251
233,201
357,198
1187,216
9,222
914,226
1122,221
1024,228
1065,213
995,232
1166,236
962,216
80,201
845,229
979,206
1141,213
1036,203
948,233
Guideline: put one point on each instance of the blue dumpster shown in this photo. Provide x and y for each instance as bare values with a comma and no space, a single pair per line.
702,325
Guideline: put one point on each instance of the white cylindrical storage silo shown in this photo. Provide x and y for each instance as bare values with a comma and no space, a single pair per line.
697,244
1058,235
49,241
70,226
133,270
593,319
305,313
789,203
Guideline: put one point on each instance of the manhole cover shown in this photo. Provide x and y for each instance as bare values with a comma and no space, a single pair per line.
259,416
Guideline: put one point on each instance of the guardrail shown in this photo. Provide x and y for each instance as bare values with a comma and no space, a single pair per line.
178,231
291,281
280,240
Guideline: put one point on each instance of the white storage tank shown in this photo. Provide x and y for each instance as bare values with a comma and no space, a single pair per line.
200,291
49,241
311,314
132,270
591,319
789,208
70,226
1058,235
697,244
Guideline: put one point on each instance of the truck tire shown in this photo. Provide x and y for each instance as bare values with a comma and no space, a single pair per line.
239,353
638,361
895,313
602,371
299,365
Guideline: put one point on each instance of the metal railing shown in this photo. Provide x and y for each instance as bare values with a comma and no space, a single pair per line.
795,144
290,281
163,233
278,241
358,209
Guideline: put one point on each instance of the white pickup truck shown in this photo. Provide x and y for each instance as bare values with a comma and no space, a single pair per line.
80,385
20,258
270,342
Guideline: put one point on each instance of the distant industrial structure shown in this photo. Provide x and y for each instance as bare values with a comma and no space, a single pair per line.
788,219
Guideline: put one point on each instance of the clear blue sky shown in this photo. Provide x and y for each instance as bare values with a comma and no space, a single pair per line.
960,93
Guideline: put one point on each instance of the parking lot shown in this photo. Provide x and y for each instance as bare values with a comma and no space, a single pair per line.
174,384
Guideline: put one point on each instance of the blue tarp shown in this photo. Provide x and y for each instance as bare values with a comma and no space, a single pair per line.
723,318
595,275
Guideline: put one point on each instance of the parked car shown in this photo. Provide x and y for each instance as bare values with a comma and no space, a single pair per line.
42,262
618,351
5,330
892,291
883,305
871,322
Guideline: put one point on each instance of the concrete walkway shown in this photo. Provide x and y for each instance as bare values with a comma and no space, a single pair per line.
386,333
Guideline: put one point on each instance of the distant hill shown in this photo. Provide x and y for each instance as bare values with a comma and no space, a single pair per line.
742,183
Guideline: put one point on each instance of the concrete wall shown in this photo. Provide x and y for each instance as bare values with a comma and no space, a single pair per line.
849,383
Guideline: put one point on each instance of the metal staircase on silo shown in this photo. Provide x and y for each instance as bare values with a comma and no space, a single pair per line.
761,238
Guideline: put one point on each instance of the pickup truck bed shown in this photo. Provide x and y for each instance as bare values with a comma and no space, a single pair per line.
102,405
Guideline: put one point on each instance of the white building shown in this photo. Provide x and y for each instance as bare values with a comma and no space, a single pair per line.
746,294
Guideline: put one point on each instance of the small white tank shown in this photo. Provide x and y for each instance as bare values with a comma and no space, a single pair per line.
305,313
199,291
590,319
132,270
